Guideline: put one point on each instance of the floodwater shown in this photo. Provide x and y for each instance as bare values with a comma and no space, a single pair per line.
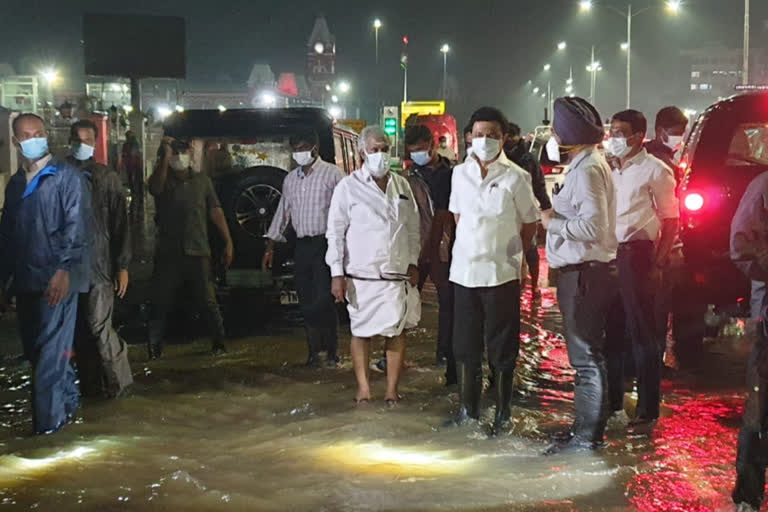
253,430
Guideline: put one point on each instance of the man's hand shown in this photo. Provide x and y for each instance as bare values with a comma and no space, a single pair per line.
58,287
546,217
167,149
121,283
339,289
266,261
413,275
229,254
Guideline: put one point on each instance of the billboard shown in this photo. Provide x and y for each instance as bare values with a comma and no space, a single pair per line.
421,108
135,46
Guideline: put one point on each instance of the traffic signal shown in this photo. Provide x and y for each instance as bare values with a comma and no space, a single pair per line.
390,126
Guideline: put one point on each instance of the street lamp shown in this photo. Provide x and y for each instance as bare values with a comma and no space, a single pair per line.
344,87
625,46
536,90
547,67
444,50
673,7
745,70
562,45
335,99
376,27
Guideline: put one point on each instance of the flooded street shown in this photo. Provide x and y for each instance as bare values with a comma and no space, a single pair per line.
254,430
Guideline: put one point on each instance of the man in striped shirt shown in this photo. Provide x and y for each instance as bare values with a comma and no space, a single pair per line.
307,192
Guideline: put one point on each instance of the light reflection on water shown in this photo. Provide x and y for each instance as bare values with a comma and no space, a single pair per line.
252,431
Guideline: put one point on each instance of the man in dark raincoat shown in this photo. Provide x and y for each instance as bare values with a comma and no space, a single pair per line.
44,239
102,357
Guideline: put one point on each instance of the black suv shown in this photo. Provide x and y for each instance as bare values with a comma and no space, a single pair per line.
726,149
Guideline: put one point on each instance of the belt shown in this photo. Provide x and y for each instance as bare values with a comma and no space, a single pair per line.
394,277
578,267
312,237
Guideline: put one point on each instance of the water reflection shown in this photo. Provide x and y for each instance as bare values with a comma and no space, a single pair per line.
253,430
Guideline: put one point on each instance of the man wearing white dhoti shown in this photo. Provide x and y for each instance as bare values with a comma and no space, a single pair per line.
373,250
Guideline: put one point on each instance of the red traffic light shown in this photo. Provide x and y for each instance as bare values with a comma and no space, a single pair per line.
405,39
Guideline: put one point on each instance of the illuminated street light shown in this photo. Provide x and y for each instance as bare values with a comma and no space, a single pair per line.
562,45
328,87
569,89
335,98
445,48
547,67
544,95
179,108
163,111
674,6
377,23
625,46
49,75
344,87
536,90
585,5
128,108
222,108
569,81
335,112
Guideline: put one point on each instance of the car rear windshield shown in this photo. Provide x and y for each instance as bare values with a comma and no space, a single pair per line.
749,145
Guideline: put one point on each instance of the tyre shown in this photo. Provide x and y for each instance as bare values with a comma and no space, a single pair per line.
250,200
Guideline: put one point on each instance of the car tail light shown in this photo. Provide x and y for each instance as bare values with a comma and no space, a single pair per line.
693,202
547,170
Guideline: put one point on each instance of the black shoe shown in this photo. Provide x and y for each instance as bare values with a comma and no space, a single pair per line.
154,352
575,445
218,348
441,361
470,381
333,361
313,362
382,365
504,381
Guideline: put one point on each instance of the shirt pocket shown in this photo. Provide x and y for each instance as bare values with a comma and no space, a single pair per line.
364,214
495,201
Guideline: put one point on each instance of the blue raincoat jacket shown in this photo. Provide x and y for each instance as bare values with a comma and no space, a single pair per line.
46,227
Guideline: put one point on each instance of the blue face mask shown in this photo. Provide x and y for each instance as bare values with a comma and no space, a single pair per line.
421,157
82,151
32,149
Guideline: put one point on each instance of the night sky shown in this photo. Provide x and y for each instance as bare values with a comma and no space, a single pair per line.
497,45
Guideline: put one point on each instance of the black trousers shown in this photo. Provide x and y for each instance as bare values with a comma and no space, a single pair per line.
494,311
313,285
632,329
101,355
439,274
752,455
169,275
585,296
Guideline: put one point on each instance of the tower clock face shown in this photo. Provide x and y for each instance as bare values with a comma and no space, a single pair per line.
319,47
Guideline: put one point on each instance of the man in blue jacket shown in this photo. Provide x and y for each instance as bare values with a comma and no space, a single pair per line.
44,234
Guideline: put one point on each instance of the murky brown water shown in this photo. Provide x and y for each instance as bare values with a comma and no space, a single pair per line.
252,430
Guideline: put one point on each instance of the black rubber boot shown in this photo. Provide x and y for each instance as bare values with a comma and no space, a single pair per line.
154,351
504,382
314,340
470,381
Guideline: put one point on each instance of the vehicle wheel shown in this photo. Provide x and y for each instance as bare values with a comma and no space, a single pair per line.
250,201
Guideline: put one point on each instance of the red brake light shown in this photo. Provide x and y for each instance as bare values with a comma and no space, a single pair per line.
693,202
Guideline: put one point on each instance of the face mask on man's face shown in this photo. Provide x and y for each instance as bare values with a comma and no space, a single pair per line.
303,157
82,151
377,163
421,158
179,162
553,150
486,148
618,146
673,141
34,148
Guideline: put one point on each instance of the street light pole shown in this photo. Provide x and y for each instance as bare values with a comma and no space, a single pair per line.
745,71
629,55
592,83
445,49
376,27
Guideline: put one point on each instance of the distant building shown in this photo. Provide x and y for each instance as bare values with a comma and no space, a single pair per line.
321,60
717,70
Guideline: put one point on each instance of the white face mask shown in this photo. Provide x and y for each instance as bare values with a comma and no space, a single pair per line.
674,141
618,147
303,158
377,164
421,158
82,151
486,148
553,150
179,162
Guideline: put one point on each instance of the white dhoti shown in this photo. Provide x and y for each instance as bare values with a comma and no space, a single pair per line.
382,308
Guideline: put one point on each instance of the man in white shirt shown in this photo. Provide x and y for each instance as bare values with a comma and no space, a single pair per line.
581,244
492,201
373,252
647,213
307,192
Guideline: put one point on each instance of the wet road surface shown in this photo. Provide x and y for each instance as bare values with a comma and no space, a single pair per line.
253,430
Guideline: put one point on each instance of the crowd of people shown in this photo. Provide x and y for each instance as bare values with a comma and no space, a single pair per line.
370,240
